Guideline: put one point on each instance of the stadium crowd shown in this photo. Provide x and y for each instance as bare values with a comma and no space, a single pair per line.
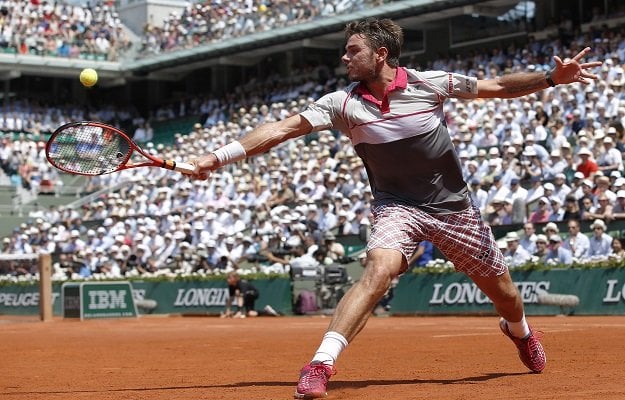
95,30
211,21
62,29
549,157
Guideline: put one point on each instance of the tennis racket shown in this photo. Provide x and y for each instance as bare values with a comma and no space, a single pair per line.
93,148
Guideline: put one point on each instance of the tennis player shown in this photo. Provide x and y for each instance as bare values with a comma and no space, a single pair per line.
394,118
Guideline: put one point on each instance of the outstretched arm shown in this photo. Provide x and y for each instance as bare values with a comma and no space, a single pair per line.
257,141
523,83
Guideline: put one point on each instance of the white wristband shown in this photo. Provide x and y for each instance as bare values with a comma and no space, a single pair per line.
232,152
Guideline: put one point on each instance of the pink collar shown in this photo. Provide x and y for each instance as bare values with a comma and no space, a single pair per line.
400,82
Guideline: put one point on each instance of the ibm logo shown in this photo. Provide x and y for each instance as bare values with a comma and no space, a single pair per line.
107,299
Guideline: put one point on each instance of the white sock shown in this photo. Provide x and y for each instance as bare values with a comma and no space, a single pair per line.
519,329
332,345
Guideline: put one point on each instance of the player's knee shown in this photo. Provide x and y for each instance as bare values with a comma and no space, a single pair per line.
507,296
377,279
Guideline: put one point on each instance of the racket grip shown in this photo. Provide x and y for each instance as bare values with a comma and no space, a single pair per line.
185,168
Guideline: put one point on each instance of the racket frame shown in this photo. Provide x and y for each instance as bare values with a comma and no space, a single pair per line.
153,161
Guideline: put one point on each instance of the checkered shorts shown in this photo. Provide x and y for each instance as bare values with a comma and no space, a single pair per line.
462,237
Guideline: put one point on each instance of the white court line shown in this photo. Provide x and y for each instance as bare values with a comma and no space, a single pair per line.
603,326
466,334
546,331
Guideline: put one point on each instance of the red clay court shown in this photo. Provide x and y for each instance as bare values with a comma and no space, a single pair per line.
186,358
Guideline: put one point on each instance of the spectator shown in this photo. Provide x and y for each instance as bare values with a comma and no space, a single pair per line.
528,240
600,241
571,209
498,189
344,223
478,195
618,250
557,165
499,212
515,255
327,218
110,268
299,258
618,211
540,254
560,188
143,133
532,166
587,208
536,190
557,253
542,212
557,212
539,150
548,189
576,242
336,251
422,255
149,267
550,229
611,159
587,165
603,211
248,250
603,188
517,191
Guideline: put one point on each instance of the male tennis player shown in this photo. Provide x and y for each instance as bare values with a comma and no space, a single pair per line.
394,117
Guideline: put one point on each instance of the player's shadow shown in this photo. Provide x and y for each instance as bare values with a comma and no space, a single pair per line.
336,384
333,384
394,382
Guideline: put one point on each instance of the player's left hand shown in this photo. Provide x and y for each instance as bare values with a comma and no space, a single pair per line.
572,70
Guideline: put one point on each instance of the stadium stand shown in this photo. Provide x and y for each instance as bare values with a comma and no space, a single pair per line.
521,158
207,22
62,30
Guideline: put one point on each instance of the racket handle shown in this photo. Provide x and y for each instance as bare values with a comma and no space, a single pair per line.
184,167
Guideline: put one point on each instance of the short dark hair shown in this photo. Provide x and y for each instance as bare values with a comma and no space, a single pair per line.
379,33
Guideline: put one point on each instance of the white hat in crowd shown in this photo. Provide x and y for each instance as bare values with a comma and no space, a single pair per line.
512,236
551,226
598,223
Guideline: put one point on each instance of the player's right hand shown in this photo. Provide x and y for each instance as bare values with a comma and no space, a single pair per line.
204,166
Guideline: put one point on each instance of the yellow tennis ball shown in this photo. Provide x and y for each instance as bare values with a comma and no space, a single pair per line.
88,77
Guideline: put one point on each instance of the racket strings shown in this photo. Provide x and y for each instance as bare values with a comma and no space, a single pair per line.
89,149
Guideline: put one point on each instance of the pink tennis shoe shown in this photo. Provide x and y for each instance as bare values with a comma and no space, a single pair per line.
313,381
531,352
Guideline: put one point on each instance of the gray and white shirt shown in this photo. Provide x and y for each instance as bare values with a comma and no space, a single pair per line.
403,139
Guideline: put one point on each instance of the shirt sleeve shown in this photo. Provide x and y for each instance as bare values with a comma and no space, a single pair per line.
464,87
449,84
327,112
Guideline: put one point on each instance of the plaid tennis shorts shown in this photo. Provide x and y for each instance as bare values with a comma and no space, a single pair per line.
462,237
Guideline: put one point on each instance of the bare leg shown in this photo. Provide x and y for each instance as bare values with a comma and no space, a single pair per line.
509,304
356,306
504,295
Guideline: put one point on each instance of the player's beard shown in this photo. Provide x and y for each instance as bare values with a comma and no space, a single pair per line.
370,75
364,72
